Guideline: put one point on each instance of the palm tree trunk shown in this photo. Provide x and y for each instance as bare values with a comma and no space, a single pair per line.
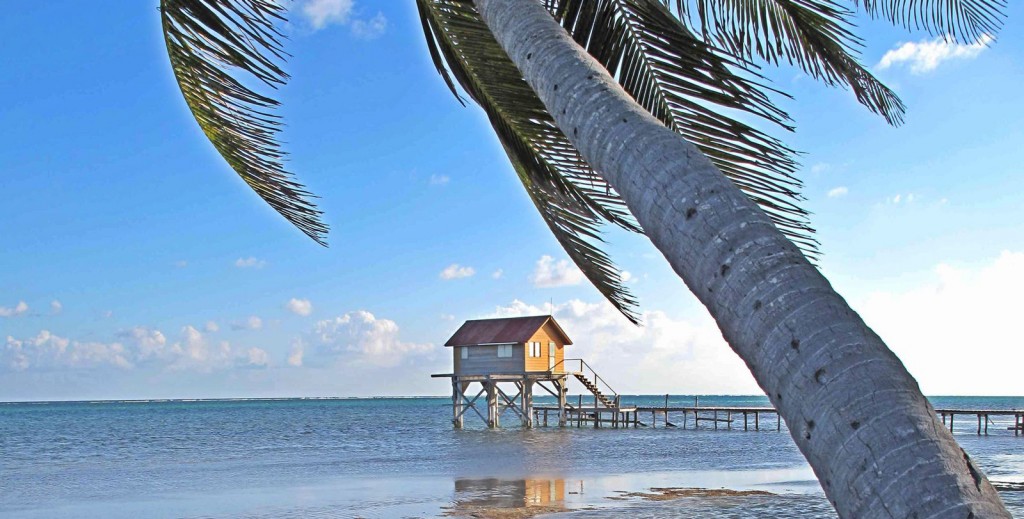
851,406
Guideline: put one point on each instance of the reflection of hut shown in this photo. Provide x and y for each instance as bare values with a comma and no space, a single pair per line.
544,491
501,493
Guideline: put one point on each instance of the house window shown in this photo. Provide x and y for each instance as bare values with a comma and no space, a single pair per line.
535,349
504,350
465,352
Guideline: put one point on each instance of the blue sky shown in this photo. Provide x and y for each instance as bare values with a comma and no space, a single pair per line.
135,264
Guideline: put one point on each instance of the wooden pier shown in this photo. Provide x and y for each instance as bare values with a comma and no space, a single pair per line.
686,417
984,418
715,417
512,357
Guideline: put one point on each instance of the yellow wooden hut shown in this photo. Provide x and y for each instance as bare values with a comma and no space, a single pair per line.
521,353
511,345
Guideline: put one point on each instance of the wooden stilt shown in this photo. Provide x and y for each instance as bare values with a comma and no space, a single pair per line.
562,390
492,404
457,403
528,402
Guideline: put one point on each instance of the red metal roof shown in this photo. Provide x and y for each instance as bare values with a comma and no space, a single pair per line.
502,331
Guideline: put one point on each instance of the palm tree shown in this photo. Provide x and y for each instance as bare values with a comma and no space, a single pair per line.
631,112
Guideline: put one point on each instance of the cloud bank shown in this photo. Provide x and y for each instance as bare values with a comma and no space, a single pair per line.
137,347
356,338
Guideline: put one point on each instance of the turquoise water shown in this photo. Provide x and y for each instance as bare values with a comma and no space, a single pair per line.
400,458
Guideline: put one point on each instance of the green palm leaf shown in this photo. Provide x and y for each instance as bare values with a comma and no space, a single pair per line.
966,21
694,89
689,85
208,40
572,199
816,35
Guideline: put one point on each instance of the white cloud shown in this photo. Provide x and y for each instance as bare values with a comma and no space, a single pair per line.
456,271
56,307
837,192
180,264
549,273
665,355
821,167
957,332
49,351
140,349
17,310
901,198
211,327
321,13
497,274
370,29
296,354
257,357
439,180
301,307
251,323
357,337
192,351
250,263
927,55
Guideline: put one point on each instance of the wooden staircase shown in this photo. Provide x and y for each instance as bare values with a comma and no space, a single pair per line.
592,387
593,382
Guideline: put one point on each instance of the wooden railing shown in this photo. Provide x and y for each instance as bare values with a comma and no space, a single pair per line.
583,369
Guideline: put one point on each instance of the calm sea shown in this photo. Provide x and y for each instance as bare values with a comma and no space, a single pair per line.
401,458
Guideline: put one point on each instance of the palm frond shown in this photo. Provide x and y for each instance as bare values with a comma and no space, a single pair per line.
572,199
816,35
965,21
693,88
208,41
574,230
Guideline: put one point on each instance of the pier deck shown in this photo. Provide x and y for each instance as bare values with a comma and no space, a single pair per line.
984,418
714,417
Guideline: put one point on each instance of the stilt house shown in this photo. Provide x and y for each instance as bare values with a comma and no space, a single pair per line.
521,353
505,346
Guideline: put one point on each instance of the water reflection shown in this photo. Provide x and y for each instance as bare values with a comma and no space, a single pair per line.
477,496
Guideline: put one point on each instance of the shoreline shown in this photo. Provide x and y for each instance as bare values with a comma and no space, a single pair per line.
391,397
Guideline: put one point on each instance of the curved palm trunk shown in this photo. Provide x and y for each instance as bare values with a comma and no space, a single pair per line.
853,409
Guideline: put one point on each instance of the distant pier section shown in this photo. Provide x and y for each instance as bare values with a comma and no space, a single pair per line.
499,364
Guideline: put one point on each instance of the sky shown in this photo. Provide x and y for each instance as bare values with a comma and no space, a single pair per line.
135,264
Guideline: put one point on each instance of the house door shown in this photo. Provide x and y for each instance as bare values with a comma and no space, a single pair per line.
551,356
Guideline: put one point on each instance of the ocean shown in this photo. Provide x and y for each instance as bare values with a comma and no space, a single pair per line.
387,457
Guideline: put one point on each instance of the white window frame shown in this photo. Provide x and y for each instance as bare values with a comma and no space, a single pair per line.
535,349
